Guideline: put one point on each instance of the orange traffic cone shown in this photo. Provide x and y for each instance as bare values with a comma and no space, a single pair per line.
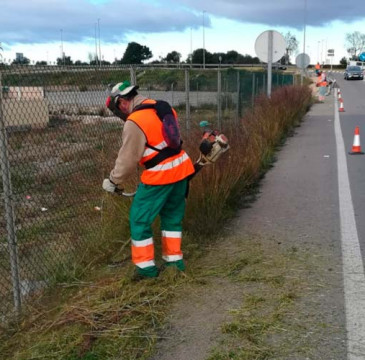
341,109
339,94
356,147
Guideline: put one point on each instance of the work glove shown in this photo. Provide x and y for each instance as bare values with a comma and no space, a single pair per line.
109,186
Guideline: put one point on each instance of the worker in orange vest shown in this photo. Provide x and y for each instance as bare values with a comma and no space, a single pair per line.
322,85
164,181
318,68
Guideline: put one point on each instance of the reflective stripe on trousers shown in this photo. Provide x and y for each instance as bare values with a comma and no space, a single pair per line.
143,253
171,245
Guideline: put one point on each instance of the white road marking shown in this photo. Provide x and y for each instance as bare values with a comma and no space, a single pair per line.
353,269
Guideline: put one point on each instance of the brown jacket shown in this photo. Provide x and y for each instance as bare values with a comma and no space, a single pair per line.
133,145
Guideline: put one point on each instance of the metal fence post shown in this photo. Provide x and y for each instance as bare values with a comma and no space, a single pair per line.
187,102
133,75
253,88
238,112
9,208
219,97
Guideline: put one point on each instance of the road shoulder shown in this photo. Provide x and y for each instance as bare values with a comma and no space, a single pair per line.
278,269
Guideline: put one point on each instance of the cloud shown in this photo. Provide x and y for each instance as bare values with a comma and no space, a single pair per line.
287,13
41,21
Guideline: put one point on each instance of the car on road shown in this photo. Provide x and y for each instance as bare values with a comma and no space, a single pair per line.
276,66
353,72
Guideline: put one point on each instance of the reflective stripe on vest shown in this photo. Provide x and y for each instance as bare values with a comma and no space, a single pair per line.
168,171
148,151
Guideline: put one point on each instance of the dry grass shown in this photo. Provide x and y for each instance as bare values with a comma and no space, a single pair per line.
268,324
253,144
99,313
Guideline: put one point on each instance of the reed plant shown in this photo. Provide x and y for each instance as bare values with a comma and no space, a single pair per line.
218,189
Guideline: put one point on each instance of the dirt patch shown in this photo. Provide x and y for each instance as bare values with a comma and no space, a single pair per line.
195,321
251,299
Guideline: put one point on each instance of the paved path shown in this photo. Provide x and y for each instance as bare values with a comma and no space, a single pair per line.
299,203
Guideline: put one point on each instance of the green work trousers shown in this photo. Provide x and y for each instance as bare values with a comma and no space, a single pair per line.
167,201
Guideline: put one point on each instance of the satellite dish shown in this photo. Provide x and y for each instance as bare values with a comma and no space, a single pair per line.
302,61
262,46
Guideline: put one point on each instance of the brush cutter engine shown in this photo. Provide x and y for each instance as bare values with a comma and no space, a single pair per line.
212,146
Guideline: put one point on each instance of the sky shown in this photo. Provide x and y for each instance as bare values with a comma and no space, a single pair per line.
42,29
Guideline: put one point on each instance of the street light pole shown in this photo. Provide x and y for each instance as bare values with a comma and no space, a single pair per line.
203,40
62,54
96,48
305,22
191,45
99,43
304,28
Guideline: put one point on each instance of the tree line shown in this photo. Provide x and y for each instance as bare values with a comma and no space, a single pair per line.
140,54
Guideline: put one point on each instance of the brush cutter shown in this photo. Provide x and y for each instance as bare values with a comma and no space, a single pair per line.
212,146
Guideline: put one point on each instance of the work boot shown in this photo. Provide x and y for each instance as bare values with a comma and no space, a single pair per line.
172,271
145,273
179,264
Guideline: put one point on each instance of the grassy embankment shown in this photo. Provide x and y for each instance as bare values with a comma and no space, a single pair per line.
103,315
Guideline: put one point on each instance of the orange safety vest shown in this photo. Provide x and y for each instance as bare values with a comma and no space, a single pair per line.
322,80
170,170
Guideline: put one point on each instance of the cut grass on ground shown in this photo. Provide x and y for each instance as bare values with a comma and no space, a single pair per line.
275,282
110,317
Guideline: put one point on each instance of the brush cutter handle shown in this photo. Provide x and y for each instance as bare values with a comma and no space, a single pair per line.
121,192
109,186
131,194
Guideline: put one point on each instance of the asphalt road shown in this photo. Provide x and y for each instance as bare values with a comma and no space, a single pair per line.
314,198
353,95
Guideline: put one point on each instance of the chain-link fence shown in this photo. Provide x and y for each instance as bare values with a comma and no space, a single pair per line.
57,143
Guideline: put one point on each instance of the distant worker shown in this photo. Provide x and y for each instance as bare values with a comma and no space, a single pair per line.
330,84
322,85
318,68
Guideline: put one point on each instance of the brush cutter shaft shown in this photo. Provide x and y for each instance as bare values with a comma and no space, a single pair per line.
123,193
